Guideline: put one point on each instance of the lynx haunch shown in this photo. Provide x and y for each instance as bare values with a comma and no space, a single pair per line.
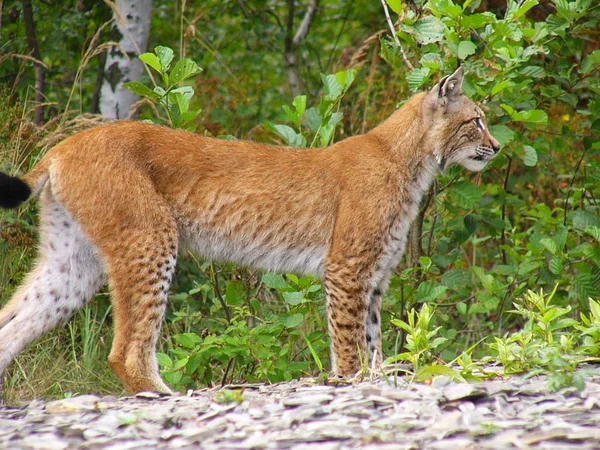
119,201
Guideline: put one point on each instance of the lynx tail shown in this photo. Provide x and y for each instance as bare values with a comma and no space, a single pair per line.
13,191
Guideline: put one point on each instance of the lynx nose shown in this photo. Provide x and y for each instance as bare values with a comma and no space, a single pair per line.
495,144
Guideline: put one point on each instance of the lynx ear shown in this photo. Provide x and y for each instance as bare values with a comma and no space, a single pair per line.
451,86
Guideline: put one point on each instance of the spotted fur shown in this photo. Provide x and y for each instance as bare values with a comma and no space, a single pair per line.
119,201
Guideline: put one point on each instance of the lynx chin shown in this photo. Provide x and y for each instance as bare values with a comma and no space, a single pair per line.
118,202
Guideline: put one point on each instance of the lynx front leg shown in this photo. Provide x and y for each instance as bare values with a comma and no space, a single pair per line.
374,328
346,315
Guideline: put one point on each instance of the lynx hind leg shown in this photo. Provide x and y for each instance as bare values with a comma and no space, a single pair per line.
347,314
140,272
67,274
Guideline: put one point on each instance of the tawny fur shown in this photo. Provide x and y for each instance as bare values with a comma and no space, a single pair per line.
119,201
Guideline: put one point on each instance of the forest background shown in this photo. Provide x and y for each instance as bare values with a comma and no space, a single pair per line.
503,266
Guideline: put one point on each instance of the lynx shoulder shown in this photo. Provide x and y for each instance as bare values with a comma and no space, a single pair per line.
118,202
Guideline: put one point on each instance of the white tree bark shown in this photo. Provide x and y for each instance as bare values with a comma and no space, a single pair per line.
132,27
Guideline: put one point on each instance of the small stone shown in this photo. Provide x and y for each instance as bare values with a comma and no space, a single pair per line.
463,391
73,405
149,395
441,381
307,400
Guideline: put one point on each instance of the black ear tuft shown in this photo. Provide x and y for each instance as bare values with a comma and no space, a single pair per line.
13,191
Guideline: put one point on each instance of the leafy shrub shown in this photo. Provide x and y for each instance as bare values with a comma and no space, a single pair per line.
530,220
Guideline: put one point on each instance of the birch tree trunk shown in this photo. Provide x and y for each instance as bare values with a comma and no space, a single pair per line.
40,71
131,29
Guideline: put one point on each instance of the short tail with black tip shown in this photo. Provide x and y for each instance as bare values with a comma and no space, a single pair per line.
13,191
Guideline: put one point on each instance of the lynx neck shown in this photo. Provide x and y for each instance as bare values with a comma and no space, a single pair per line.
404,137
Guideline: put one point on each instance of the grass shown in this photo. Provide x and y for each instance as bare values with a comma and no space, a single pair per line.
67,361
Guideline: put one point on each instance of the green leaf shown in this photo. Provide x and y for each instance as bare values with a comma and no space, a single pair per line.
525,6
456,278
194,362
583,219
180,363
417,77
429,30
275,281
502,133
164,360
188,340
151,60
530,158
594,232
160,92
165,56
294,320
585,287
300,104
550,245
141,90
555,265
499,87
532,116
333,89
325,134
396,5
461,308
527,266
186,91
185,68
429,372
429,291
466,48
289,134
313,118
465,194
478,20
335,119
292,115
294,298
432,61
533,72
179,99
314,288
590,62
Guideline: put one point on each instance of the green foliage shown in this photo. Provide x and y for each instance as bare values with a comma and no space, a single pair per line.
420,341
549,341
276,346
320,120
530,220
229,396
174,99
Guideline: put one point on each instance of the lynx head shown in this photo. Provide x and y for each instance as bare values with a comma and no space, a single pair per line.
458,127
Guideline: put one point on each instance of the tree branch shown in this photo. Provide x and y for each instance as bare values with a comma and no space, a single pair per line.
306,21
393,31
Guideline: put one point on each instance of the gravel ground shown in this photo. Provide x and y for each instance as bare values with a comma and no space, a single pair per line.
504,414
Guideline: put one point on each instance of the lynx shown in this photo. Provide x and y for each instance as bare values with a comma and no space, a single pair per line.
119,201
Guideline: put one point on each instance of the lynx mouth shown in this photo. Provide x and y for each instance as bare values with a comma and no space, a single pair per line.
483,154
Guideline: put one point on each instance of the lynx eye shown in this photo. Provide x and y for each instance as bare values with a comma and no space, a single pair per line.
479,123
